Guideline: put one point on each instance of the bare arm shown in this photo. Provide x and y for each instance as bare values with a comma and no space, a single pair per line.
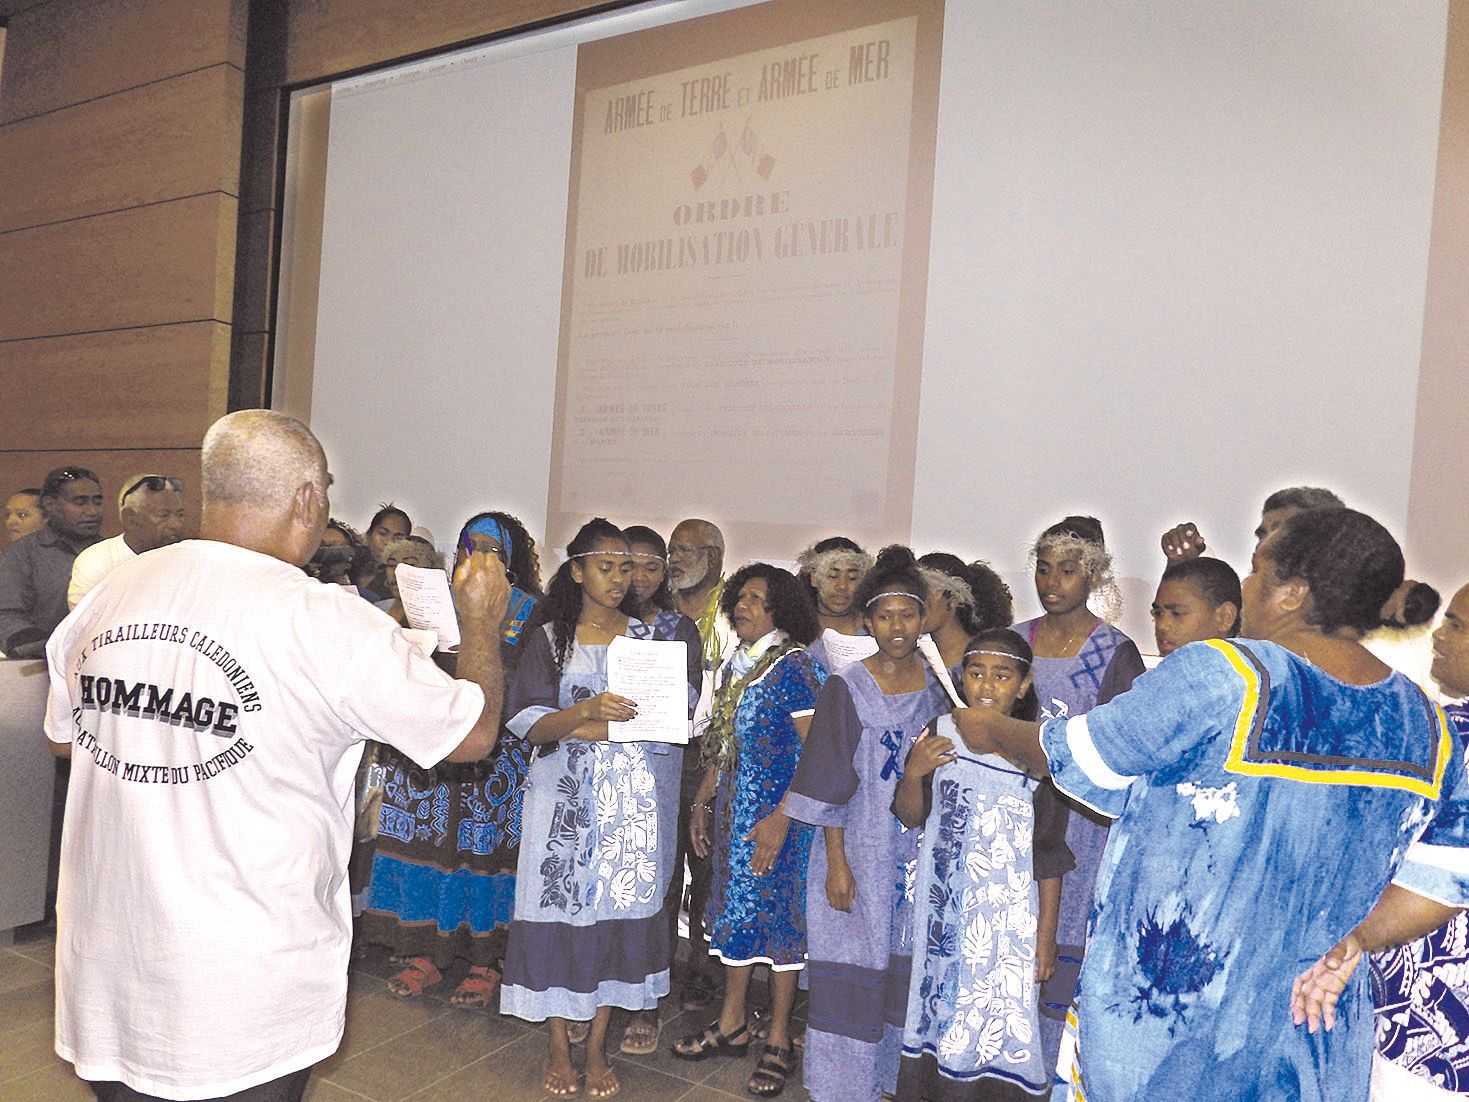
841,886
482,593
1399,917
586,719
1013,739
912,798
1047,920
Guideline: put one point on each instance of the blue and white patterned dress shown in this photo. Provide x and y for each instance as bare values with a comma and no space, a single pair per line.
859,960
597,846
443,871
762,918
973,1024
1262,808
1421,991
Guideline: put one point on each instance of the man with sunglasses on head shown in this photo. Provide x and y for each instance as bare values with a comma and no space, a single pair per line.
36,570
151,508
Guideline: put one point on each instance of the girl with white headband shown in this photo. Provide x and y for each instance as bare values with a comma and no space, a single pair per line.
859,882
597,829
986,898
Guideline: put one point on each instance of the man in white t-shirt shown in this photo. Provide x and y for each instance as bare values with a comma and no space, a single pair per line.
214,700
151,508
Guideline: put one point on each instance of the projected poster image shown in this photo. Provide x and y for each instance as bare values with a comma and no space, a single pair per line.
742,312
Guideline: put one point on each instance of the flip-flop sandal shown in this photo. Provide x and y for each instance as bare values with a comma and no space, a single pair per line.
605,1085
410,982
560,1086
770,1074
477,990
576,1032
641,1036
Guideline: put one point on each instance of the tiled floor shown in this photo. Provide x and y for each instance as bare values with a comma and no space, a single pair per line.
423,1049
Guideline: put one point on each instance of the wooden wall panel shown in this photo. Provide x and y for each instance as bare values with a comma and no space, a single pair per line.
326,37
27,468
158,387
146,266
68,51
163,140
253,290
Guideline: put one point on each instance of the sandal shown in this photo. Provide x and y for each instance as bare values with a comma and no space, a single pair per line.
560,1086
760,1023
409,983
712,1042
770,1074
641,1036
477,990
576,1031
605,1085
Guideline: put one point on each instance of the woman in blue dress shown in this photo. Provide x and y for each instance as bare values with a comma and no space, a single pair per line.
859,884
443,875
1267,791
1081,661
597,838
764,694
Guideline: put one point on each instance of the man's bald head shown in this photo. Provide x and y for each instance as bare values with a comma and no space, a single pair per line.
695,555
257,459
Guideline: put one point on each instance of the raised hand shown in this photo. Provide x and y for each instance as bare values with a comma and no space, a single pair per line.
1182,541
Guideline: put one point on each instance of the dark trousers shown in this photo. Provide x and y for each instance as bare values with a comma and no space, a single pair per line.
288,1088
700,873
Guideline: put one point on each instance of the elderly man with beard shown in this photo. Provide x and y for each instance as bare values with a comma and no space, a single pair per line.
696,576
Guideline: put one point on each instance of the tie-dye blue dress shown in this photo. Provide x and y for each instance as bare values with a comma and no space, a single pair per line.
1262,806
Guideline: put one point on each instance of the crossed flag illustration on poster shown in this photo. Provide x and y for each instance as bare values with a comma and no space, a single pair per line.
748,148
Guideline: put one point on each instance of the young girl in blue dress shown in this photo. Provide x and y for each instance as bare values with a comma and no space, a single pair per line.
986,899
859,894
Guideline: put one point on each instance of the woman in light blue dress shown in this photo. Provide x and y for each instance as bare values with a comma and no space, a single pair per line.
1267,793
597,836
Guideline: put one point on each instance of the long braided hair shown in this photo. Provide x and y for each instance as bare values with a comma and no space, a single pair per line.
561,607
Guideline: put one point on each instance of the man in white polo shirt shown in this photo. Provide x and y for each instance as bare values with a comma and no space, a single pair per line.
215,700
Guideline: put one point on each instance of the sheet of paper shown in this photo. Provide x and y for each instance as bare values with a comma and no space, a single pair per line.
930,651
843,650
653,673
427,602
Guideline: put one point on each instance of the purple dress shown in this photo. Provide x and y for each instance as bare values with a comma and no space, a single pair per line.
1106,665
859,961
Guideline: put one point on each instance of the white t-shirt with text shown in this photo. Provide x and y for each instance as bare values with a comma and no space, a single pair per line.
217,700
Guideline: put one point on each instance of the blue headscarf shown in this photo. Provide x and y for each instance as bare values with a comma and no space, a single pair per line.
489,526
522,604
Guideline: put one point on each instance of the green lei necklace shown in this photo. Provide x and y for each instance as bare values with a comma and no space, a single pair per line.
720,742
